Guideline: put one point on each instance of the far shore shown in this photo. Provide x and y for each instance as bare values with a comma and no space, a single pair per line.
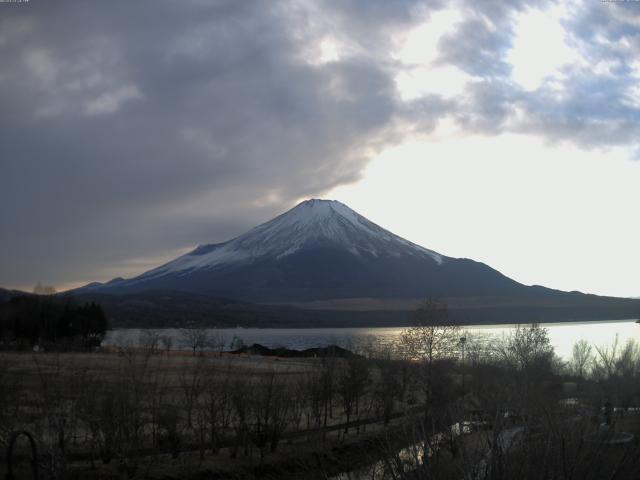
296,326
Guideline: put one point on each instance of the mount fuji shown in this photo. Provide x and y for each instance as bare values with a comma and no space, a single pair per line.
319,250
321,263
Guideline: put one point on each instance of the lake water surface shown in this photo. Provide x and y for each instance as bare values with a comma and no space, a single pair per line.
562,335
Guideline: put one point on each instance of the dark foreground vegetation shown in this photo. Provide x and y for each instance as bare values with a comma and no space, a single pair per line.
438,405
55,323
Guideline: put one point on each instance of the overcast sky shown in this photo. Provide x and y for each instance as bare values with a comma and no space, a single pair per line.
506,132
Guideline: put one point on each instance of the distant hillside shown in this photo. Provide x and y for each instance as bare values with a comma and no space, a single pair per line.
7,294
176,309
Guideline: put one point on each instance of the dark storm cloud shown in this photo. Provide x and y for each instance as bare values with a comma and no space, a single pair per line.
131,130
126,124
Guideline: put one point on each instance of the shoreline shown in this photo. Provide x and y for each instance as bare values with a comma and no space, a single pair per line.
389,326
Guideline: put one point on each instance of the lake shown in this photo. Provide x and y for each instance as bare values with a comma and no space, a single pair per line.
562,335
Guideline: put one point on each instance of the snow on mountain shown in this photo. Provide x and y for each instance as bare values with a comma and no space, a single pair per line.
310,222
318,250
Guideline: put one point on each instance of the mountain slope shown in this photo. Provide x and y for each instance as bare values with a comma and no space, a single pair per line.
321,250
7,294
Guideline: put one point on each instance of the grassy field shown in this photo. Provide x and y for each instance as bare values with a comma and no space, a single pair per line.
163,416
153,414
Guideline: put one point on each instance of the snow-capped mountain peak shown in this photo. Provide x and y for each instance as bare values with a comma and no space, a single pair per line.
311,223
321,251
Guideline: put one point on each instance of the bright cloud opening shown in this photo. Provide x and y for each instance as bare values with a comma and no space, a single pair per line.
447,81
420,45
554,207
417,52
540,47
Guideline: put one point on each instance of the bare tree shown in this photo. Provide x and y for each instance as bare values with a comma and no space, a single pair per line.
217,404
216,342
605,361
191,380
352,382
269,408
628,362
195,338
149,340
321,389
389,386
41,289
167,342
525,346
581,358
431,339
299,400
240,395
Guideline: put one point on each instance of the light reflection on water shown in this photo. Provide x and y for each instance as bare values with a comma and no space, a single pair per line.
562,335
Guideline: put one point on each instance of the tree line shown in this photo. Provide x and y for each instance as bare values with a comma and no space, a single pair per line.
50,322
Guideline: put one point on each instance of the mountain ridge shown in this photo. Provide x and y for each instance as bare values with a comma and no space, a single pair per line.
320,249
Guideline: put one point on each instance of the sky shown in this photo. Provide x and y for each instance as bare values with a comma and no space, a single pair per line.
506,132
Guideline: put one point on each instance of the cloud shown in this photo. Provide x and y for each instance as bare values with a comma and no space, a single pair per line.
130,131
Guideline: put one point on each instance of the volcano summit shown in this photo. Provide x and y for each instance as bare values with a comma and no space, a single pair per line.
320,250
